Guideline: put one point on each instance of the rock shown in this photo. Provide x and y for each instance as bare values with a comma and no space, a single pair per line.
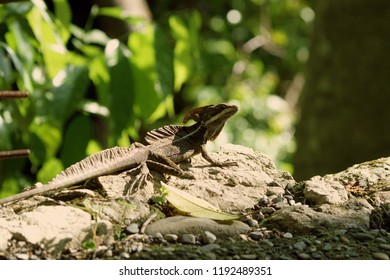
5,235
361,236
304,256
171,237
300,245
181,225
256,235
132,228
210,247
56,227
208,237
380,256
288,235
303,219
385,247
319,190
187,238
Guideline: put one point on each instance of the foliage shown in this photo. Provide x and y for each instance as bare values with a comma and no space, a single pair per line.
89,91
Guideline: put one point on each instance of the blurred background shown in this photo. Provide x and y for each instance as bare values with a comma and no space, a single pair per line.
311,78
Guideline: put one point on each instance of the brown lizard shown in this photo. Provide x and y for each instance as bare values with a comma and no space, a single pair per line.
168,146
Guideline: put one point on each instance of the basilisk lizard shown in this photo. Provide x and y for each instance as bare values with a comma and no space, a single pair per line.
166,147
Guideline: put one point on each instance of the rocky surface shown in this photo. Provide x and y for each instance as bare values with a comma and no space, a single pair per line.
337,216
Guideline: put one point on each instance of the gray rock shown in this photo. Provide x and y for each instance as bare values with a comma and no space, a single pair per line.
181,225
385,247
288,235
256,235
132,228
208,237
380,256
361,236
187,238
304,256
320,190
300,245
171,237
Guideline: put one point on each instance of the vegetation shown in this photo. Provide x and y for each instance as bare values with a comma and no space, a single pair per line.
89,91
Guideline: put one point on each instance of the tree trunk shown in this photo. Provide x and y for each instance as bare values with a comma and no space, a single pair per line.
345,104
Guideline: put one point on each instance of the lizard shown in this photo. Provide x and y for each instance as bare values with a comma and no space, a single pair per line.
167,146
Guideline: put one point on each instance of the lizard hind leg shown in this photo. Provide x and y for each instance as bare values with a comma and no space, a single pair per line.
141,174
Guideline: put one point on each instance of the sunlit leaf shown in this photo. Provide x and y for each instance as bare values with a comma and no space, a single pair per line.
194,206
49,170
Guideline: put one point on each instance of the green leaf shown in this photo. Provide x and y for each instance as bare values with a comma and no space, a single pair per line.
143,62
49,170
76,138
70,86
121,95
194,206
185,30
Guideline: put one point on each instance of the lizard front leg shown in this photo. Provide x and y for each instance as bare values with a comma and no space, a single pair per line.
207,157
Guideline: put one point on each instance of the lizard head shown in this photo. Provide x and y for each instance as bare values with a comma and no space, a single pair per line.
212,116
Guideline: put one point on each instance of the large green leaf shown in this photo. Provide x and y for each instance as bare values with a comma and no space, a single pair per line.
70,86
143,61
185,30
76,138
121,94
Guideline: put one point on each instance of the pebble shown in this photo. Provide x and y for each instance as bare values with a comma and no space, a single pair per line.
361,236
385,247
327,247
132,228
253,223
344,239
267,210
124,255
316,255
300,245
108,253
256,235
248,256
287,235
264,201
187,238
266,242
303,256
22,256
210,247
208,237
170,237
380,256
159,236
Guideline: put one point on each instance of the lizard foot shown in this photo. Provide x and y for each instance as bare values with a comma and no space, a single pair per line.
139,181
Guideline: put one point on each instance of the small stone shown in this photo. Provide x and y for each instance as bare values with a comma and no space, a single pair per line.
208,237
248,256
380,256
344,239
291,202
267,210
132,228
381,240
288,235
210,247
289,197
108,253
170,237
187,238
22,256
385,247
253,223
256,235
124,255
316,255
327,247
264,201
266,242
361,236
300,245
304,256
158,236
